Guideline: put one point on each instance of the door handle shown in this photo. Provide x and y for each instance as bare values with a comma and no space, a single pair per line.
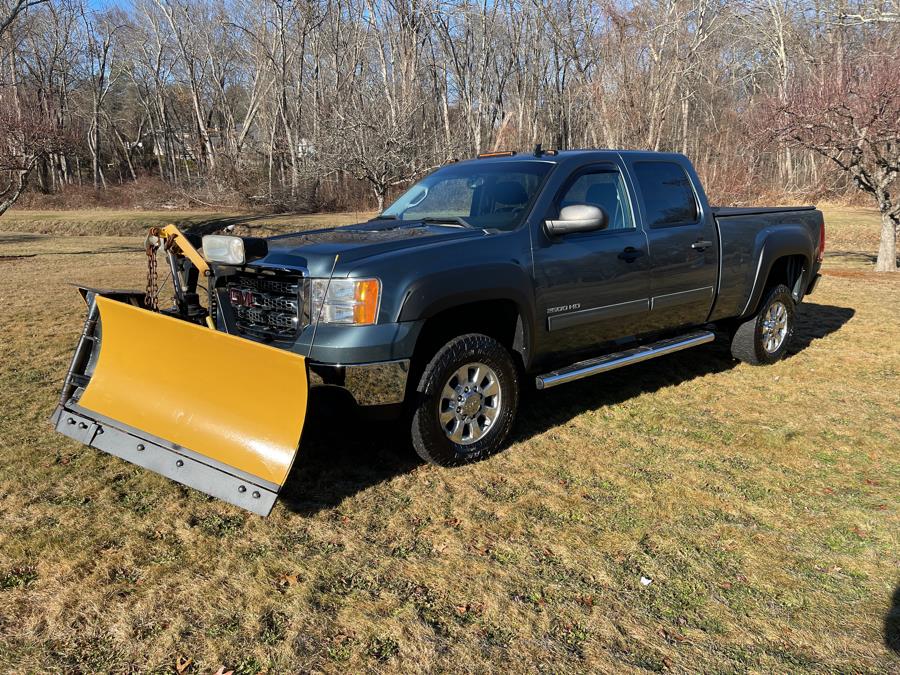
630,254
701,244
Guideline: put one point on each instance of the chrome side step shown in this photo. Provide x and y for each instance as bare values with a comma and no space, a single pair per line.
601,364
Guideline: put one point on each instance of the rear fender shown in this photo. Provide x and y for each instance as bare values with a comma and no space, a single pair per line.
787,240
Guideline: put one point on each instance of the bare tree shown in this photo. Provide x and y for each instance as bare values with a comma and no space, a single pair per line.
26,137
99,36
852,117
384,153
9,11
183,18
884,11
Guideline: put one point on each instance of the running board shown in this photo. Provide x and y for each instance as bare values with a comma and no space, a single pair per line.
601,364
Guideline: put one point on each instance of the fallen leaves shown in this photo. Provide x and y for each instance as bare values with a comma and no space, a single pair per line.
183,663
287,581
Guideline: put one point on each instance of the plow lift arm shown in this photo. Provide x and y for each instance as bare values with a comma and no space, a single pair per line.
164,391
186,265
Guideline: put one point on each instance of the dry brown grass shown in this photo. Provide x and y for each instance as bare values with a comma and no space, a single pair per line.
762,502
118,222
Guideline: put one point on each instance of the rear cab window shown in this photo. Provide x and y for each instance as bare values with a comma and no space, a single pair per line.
667,194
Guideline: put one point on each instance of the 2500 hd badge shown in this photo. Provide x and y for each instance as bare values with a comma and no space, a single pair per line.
564,308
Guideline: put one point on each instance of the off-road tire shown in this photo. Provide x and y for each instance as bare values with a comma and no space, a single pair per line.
429,438
748,340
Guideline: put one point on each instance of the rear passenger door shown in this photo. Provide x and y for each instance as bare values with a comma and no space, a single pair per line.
682,242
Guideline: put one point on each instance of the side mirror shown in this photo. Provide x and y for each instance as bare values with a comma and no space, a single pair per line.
418,199
577,218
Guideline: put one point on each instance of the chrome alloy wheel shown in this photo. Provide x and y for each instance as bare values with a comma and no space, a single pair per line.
469,403
774,327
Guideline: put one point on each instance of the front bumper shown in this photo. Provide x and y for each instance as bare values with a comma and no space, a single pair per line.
370,384
370,362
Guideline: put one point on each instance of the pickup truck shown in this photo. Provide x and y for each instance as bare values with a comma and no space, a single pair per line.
487,276
511,269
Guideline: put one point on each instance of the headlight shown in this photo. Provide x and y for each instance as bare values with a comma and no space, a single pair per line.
346,301
223,249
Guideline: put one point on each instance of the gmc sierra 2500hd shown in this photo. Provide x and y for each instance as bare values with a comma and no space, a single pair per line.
551,266
487,275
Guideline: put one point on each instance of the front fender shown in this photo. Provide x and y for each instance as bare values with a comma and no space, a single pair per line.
436,292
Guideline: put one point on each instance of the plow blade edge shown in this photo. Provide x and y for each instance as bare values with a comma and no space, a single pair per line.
210,410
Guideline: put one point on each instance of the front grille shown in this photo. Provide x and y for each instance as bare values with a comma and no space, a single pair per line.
264,305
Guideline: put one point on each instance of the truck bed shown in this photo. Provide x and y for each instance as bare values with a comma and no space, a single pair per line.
726,211
745,247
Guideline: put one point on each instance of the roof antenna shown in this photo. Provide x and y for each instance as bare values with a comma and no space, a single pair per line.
537,150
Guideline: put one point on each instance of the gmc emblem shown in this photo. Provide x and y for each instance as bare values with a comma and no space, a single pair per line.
240,297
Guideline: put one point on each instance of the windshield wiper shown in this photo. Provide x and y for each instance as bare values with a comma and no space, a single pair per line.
382,217
447,220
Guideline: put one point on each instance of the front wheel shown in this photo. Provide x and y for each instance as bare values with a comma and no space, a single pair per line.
765,337
468,396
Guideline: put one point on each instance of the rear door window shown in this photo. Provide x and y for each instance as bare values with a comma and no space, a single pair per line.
667,194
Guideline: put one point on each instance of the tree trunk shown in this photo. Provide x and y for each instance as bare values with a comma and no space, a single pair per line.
9,197
887,250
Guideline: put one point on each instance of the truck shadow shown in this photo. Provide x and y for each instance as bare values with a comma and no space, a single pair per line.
892,624
343,453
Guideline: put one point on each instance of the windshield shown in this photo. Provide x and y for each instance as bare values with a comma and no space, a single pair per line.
484,195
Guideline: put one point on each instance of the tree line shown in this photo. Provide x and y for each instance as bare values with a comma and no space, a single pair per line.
329,103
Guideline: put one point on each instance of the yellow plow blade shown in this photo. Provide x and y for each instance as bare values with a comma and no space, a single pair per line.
211,410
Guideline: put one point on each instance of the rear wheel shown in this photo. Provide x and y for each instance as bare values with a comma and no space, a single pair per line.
468,396
765,337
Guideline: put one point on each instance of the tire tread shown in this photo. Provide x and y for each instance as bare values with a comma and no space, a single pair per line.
746,344
429,442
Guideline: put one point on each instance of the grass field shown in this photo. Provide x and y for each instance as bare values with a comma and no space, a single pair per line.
110,222
761,502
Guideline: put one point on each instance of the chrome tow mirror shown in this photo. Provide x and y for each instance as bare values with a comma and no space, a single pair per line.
577,218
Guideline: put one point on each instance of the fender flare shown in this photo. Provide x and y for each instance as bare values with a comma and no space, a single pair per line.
787,240
433,293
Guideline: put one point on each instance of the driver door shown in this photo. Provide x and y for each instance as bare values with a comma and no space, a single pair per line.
593,287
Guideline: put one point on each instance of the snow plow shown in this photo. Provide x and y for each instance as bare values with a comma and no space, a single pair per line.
169,392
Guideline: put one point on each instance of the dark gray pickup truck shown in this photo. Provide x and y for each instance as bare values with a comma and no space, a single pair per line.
511,269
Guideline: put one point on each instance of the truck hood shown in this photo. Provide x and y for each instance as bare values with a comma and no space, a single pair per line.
315,249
